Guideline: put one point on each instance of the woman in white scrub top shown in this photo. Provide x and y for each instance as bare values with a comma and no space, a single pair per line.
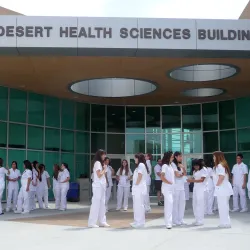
168,181
223,188
33,185
3,172
56,186
209,202
97,214
198,179
110,173
23,196
148,158
123,176
179,190
139,189
13,186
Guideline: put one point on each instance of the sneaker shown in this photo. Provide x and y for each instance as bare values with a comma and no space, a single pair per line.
1,213
197,224
169,227
234,210
7,210
104,225
183,223
224,226
118,209
25,212
125,209
17,212
137,226
210,213
93,226
244,210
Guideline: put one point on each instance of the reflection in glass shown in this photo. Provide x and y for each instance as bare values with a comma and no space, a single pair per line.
3,103
153,144
67,141
231,159
192,143
52,112
36,109
97,142
208,158
82,166
82,116
35,137
171,142
68,114
17,136
227,141
191,118
210,142
135,120
115,143
210,116
243,139
243,107
82,142
227,115
135,143
3,134
52,139
171,119
98,118
153,120
116,119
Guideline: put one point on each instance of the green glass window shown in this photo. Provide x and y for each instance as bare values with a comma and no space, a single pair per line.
171,142
36,109
210,116
97,142
52,139
17,155
67,141
82,166
191,118
231,159
68,114
227,141
97,118
135,119
35,137
82,116
246,160
115,143
171,119
70,160
52,112
153,119
192,143
3,134
35,156
243,139
3,103
17,136
210,142
82,142
153,145
17,106
242,108
227,115
135,143
208,158
3,155
116,119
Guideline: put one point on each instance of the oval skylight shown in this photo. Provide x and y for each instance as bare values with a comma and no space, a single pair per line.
203,72
113,87
203,92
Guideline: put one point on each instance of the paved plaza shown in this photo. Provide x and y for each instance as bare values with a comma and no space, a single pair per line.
67,230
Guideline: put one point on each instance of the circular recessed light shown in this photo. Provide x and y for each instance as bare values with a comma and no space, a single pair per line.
203,92
204,72
113,87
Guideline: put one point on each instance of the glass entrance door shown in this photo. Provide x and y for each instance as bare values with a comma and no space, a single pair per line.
187,161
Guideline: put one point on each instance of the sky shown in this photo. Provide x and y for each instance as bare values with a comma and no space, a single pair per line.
206,9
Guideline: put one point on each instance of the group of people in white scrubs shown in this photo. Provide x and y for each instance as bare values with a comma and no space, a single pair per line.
35,182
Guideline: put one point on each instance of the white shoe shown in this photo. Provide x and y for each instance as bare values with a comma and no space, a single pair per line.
17,212
183,223
198,224
244,210
169,227
118,209
7,210
224,226
93,226
234,210
210,213
104,225
25,212
125,209
137,226
148,210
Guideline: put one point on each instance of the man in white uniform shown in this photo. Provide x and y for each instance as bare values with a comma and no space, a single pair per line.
239,182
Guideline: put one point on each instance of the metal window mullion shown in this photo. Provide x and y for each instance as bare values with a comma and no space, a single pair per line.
145,130
202,141
218,117
27,121
236,127
44,123
75,139
60,132
125,134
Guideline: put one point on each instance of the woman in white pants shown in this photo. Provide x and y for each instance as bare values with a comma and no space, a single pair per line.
64,178
179,190
43,186
110,173
198,179
33,186
97,214
3,172
139,190
209,202
124,176
223,188
23,196
13,186
56,186
168,181
148,158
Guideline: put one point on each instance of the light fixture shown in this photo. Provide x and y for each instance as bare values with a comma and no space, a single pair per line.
203,92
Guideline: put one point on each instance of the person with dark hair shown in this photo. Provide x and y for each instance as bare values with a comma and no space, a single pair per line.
56,186
23,196
33,186
199,176
139,189
168,181
64,178
158,182
13,186
110,173
223,188
3,172
123,176
98,210
239,181
179,190
148,158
